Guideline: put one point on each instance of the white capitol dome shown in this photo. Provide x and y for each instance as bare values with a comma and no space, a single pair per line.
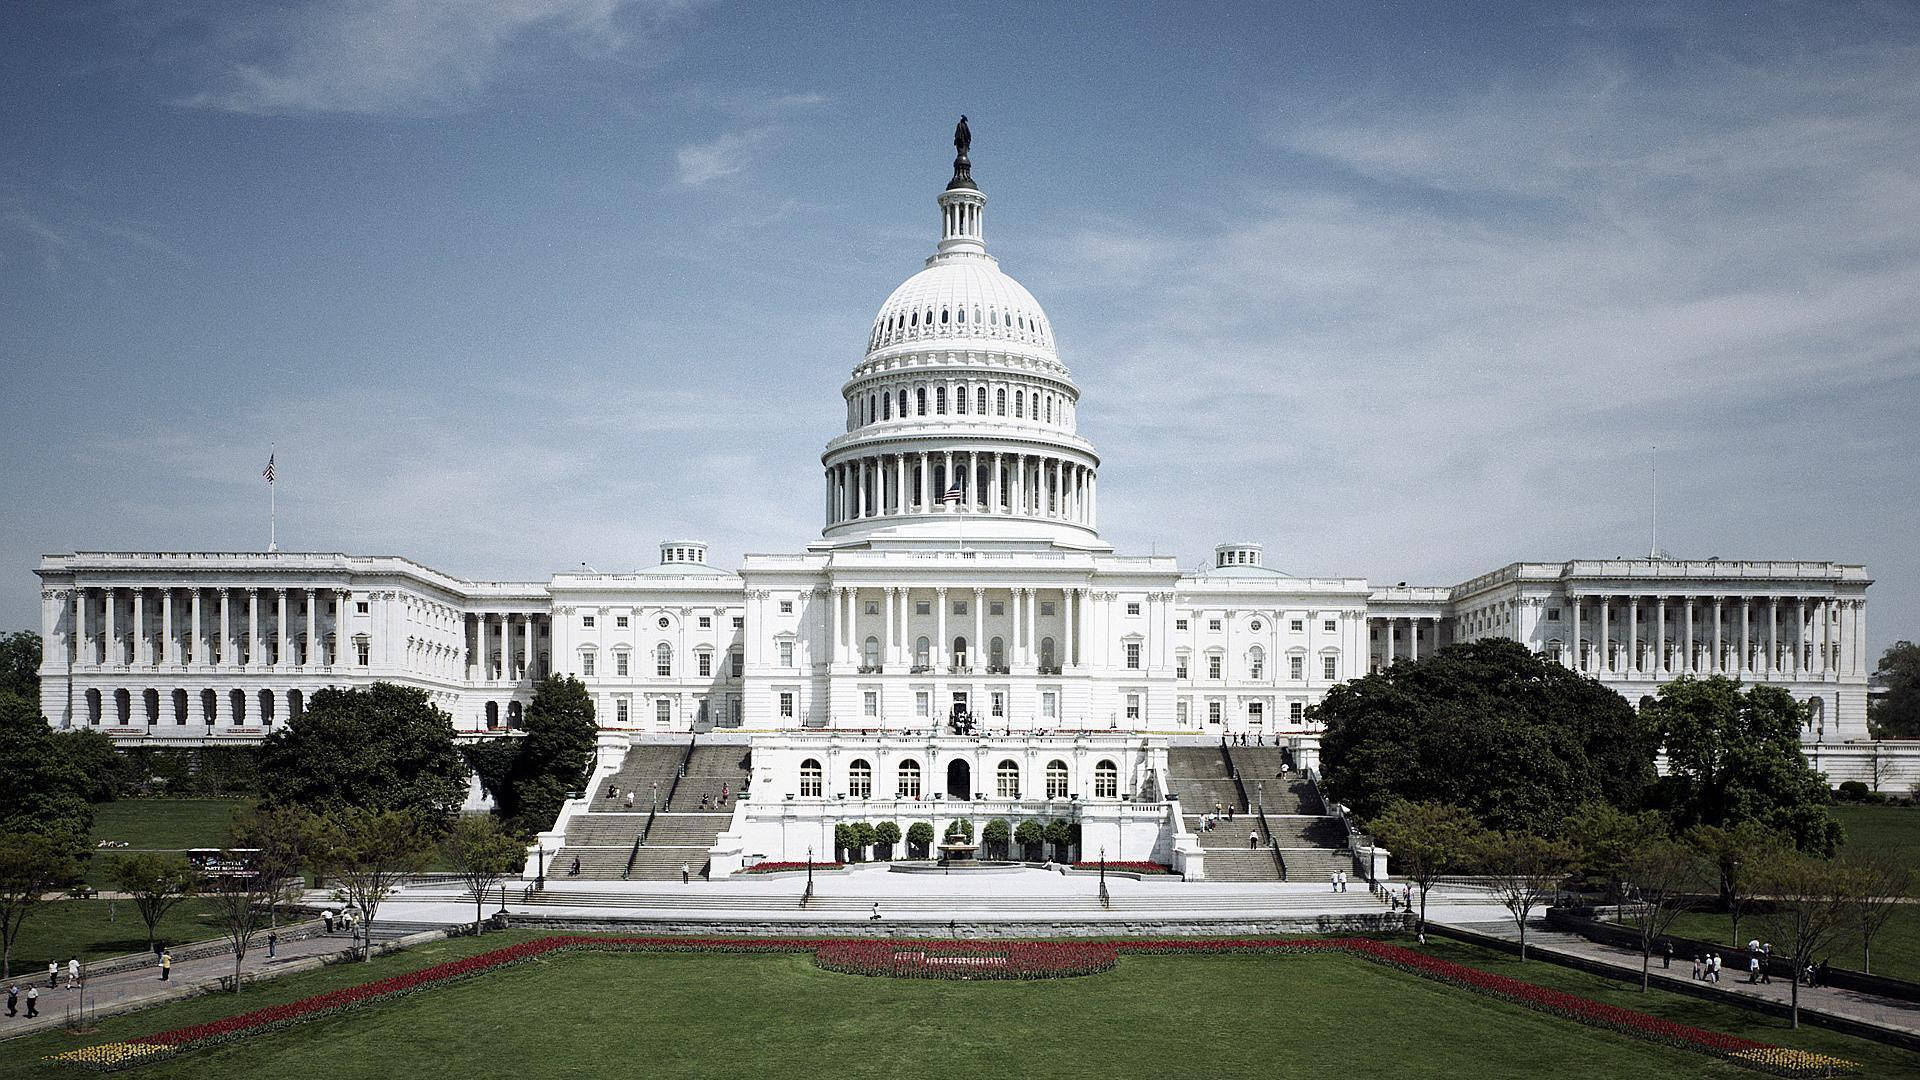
963,300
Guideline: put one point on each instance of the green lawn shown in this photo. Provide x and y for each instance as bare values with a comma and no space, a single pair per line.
678,1015
166,824
1896,948
91,929
1890,830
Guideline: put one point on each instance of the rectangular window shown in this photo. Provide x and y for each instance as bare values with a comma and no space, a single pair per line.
733,712
362,648
1213,712
1553,614
360,607
1179,624
786,704
619,621
1133,607
1180,713
1297,625
586,621
706,622
663,711
1296,711
1133,655
786,654
1330,667
786,607
739,621
1296,667
1213,624
1133,706
870,703
959,607
620,711
1046,607
620,663
999,703
586,663
922,607
1180,668
704,663
1049,705
1329,626
873,607
738,663
1256,712
997,607
922,702
1213,667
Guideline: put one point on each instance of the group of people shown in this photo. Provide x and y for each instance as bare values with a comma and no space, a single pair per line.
1707,966
32,993
1338,879
341,920
707,802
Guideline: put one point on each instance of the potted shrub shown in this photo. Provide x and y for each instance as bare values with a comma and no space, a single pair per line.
1062,835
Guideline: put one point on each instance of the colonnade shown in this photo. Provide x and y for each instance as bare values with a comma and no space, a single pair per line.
1416,633
898,646
205,626
989,481
492,641
1662,636
908,397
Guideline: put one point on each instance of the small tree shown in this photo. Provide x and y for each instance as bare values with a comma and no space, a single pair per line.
483,854
886,835
157,884
843,841
242,903
863,836
1664,875
996,835
1525,870
1030,835
29,867
1605,839
1812,905
1426,839
1060,836
1880,886
371,852
283,839
920,838
1735,854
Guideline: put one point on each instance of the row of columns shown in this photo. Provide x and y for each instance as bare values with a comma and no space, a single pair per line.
131,645
896,652
1022,485
1738,636
494,635
1416,632
994,401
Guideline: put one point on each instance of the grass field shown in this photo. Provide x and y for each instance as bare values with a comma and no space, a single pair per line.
60,929
680,1015
1896,948
1891,830
166,824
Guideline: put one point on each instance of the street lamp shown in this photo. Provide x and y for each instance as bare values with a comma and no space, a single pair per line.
1103,868
809,870
540,882
656,796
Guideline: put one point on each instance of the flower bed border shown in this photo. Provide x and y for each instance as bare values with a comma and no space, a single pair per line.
789,867
1126,867
861,956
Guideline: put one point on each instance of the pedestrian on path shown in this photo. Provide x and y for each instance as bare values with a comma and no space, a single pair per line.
273,942
53,974
1696,967
1333,879
13,1000
1753,969
33,1002
73,972
166,965
875,917
327,917
1253,839
629,800
1666,959
686,873
1766,962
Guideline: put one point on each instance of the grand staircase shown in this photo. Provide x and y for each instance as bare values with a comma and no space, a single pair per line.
1312,845
603,839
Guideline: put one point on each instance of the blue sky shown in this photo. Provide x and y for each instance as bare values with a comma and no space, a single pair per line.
1401,291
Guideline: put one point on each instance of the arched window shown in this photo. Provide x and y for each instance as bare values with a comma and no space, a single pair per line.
1256,663
93,705
993,316
810,779
123,706
266,706
1106,780
996,653
180,706
493,715
1046,652
1019,401
909,779
886,406
960,316
913,319
1007,779
872,652
960,400
920,401
1056,779
150,700
515,711
238,700
943,316
921,653
903,403
296,705
960,650
873,410
1000,403
980,401
663,660
860,779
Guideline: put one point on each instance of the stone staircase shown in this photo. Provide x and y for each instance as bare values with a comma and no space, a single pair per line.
1200,779
712,770
603,839
707,900
1312,843
646,764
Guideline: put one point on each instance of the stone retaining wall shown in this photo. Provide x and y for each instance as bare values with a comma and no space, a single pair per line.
1358,923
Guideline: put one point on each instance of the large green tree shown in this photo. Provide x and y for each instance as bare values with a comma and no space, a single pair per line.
1515,739
1733,755
529,776
1896,715
20,664
380,748
43,790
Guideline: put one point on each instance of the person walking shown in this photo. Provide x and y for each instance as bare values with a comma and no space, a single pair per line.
53,974
629,800
73,972
1666,955
875,917
327,917
1253,839
13,1000
686,873
166,966
1696,967
273,941
1766,962
1753,969
33,1002
1333,880
1343,881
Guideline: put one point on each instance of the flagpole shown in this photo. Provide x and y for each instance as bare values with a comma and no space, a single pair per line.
273,501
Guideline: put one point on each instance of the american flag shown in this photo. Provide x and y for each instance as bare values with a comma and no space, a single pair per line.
268,471
954,494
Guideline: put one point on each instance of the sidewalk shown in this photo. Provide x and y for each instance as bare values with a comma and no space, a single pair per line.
1901,1017
122,991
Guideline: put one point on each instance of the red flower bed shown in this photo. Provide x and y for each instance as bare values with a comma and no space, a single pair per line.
778,867
967,959
964,960
1127,867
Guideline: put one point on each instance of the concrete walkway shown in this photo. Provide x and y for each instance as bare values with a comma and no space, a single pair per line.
1890,1014
122,991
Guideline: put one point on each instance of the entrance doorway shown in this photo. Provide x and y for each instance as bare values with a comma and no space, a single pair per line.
959,780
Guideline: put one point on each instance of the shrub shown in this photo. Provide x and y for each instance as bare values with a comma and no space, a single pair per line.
920,837
887,835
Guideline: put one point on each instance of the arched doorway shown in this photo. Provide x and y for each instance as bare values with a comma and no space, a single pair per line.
959,780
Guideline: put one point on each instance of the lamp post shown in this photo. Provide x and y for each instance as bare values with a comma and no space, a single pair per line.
1103,869
656,796
540,882
809,870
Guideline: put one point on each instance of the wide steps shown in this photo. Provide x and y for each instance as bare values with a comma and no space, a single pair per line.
1244,864
1315,864
705,899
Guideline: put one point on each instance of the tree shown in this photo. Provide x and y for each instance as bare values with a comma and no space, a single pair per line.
244,903
1605,838
1518,739
384,747
886,834
156,883
20,665
370,852
863,836
106,769
843,840
42,790
1427,839
1030,835
960,830
483,854
1734,855
1896,714
920,838
1524,871
996,835
1880,885
1062,835
1810,909
1735,756
530,776
30,865
1664,876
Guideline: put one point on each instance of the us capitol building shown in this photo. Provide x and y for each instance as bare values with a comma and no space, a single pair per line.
959,596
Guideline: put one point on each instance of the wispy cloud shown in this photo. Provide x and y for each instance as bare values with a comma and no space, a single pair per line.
399,56
732,152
